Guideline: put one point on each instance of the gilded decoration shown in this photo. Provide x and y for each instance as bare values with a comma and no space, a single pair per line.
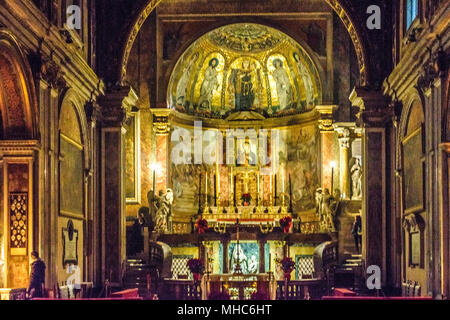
244,67
334,4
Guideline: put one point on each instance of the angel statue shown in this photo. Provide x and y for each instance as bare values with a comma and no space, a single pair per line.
326,207
163,206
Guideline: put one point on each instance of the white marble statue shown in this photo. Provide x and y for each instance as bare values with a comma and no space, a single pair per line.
253,265
238,255
284,89
356,172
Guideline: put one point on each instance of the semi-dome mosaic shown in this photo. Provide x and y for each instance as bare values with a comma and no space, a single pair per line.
244,67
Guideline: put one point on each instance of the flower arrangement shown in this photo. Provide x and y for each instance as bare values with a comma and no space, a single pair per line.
196,266
201,225
286,223
246,198
287,265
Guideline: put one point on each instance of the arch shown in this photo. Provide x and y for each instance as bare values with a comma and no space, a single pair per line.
18,103
324,85
336,5
412,103
70,97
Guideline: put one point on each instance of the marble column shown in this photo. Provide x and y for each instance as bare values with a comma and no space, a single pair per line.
344,159
444,195
262,256
372,117
114,106
325,124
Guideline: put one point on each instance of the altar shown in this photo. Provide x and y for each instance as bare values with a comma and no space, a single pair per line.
241,286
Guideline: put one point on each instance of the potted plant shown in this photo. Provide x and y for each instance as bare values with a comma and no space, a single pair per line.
201,225
287,265
246,198
286,224
196,267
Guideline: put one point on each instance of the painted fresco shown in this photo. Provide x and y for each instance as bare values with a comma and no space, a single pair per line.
299,158
244,67
71,182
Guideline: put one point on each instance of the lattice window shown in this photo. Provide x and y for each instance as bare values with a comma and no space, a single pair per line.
304,266
18,211
179,267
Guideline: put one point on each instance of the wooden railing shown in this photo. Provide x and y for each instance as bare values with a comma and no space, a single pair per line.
301,289
179,290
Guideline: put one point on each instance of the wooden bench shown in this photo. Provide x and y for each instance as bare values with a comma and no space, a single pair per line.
343,292
90,299
129,293
374,298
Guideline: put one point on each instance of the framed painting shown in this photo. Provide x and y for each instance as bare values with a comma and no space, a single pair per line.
413,171
71,196
132,159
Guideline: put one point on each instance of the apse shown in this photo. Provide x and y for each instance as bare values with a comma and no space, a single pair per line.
244,67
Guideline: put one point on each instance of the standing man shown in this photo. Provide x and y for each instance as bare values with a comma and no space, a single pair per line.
37,277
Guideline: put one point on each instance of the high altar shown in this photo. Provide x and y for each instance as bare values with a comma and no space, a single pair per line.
235,150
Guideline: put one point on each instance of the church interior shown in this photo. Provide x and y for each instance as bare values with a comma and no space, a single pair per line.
225,149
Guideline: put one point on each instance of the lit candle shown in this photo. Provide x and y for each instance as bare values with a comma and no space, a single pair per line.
258,183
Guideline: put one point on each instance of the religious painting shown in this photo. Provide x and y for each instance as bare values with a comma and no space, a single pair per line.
413,167
299,157
281,85
71,177
132,159
70,244
208,88
246,255
244,67
246,85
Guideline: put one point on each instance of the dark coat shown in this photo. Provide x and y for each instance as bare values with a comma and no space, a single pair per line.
37,277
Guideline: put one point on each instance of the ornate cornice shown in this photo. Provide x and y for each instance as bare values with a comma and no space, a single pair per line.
326,117
161,120
115,105
373,107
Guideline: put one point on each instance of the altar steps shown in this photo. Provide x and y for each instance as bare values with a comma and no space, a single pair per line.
349,274
135,276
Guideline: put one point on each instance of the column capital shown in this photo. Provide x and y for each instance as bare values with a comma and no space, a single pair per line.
115,105
161,124
373,107
326,117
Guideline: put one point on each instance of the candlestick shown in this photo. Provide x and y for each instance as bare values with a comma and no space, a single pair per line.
206,189
215,191
271,191
275,194
200,193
